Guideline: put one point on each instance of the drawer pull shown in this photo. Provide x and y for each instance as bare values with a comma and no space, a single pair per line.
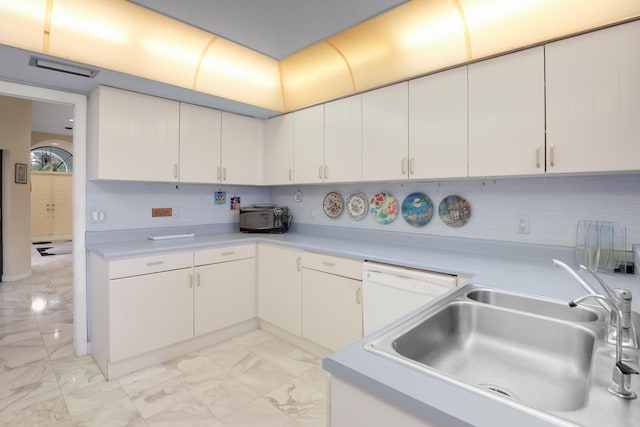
298,264
329,263
326,172
404,167
175,170
227,253
198,279
290,174
152,263
538,157
359,296
320,171
224,174
552,162
190,280
411,163
218,173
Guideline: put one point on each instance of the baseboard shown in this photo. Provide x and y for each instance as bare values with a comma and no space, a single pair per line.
306,345
17,277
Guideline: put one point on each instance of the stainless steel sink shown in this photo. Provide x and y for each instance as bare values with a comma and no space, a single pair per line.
531,353
549,308
534,360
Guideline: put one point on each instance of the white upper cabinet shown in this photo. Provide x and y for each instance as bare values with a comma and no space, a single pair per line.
199,144
438,125
593,101
506,115
133,137
278,150
241,150
385,133
308,145
343,140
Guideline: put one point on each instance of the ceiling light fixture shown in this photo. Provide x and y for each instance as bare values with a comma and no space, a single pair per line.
64,68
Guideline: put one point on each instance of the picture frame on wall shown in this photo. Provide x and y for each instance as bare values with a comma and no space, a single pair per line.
21,173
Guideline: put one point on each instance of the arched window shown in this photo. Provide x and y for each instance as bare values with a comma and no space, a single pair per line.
51,159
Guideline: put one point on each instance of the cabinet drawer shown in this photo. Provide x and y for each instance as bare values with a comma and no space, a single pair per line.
334,265
224,253
149,264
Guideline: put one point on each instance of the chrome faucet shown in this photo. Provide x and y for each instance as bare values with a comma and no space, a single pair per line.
620,297
621,379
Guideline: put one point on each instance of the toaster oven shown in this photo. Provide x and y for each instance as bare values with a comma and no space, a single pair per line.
264,219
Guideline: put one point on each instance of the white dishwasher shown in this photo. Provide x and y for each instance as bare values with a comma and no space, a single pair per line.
389,292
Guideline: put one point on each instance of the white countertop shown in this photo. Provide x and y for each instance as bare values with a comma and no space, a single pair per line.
517,267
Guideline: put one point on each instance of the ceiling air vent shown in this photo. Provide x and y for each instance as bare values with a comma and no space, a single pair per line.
63,68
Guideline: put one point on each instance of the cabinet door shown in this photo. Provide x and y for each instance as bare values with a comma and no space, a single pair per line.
199,144
138,136
331,309
506,115
385,133
225,295
280,287
308,145
278,150
241,149
149,312
438,125
593,101
343,140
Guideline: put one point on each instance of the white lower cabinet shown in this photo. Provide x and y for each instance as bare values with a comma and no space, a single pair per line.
149,312
280,287
331,300
225,292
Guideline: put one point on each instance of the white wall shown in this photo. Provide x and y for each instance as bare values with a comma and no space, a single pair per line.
128,204
15,140
554,205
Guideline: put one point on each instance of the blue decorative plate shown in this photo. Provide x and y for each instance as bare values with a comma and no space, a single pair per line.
417,209
454,211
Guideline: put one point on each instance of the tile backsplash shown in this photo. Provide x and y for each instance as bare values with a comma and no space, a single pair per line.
553,205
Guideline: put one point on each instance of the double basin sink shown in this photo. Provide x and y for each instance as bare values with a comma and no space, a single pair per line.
538,355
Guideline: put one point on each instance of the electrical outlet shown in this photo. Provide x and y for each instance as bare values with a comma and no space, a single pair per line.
523,224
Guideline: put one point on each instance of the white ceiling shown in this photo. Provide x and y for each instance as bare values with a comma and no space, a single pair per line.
276,28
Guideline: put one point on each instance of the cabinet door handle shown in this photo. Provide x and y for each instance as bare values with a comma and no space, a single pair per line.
224,174
329,263
538,157
404,166
190,280
290,174
552,161
411,162
218,173
227,253
320,171
198,279
152,263
175,170
359,295
298,264
326,172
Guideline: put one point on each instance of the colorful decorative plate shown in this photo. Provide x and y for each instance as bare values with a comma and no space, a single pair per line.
357,206
417,209
383,208
454,211
333,204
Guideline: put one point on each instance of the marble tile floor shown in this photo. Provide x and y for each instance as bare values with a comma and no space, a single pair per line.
254,379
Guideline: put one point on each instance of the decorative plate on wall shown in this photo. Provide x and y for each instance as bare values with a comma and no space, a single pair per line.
417,209
357,206
333,204
383,208
454,211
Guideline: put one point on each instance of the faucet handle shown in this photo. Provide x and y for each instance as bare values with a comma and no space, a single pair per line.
626,369
623,294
